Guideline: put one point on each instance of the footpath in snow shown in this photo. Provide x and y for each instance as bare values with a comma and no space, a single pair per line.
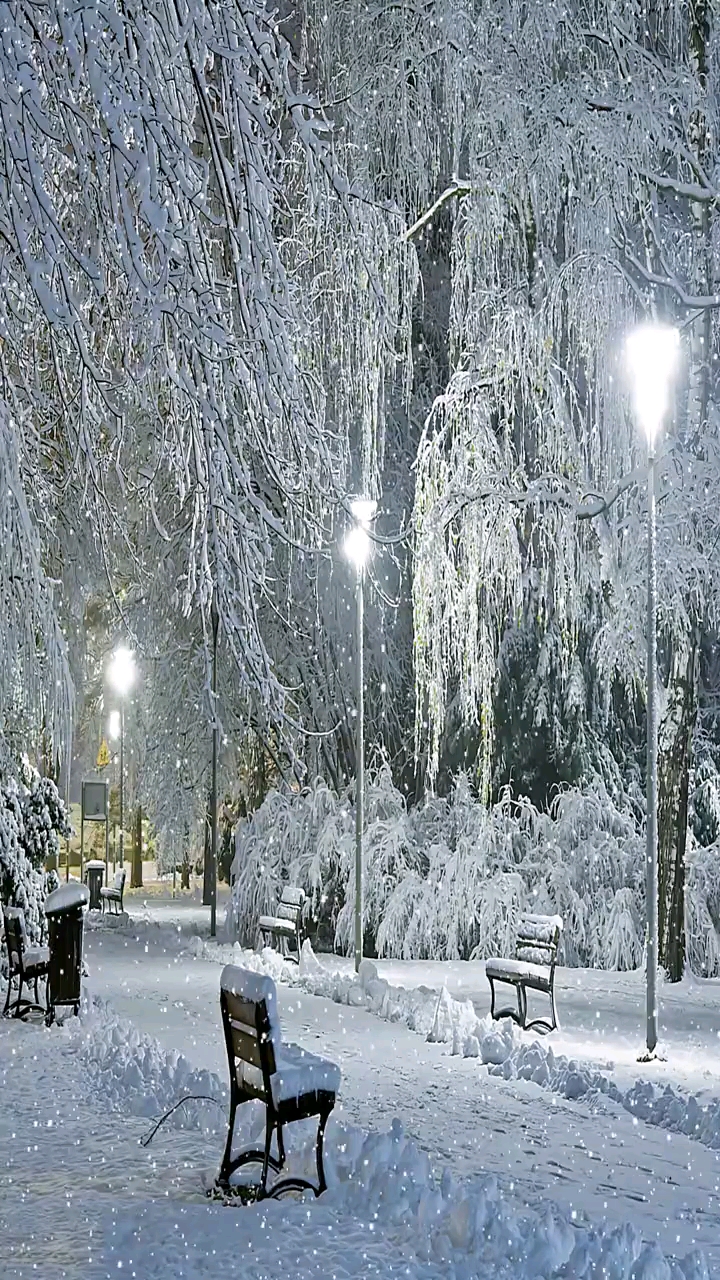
581,1147
81,1197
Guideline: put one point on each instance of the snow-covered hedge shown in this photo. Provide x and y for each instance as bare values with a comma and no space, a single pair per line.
448,878
32,819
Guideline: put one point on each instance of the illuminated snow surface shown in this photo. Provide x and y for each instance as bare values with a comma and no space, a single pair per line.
479,1152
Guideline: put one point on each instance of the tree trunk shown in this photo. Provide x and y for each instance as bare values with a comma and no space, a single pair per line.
136,875
674,759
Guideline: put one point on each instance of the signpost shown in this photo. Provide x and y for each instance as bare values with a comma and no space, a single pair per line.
95,807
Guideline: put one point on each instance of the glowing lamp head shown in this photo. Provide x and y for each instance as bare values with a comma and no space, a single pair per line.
363,510
121,671
114,724
357,546
652,356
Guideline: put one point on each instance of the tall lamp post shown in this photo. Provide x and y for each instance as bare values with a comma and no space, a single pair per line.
114,734
215,623
121,674
652,353
357,549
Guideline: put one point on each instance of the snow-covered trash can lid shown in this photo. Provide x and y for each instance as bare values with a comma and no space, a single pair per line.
94,864
66,897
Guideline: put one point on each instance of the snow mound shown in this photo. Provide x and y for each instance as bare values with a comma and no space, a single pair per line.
131,1072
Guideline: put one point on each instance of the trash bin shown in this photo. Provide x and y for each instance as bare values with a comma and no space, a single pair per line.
94,876
64,911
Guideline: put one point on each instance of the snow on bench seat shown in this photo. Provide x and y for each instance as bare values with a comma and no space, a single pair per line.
296,1072
519,970
274,924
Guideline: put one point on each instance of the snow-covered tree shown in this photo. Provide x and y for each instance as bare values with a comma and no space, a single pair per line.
198,317
584,168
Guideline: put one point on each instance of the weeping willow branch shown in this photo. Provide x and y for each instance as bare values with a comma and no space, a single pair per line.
456,190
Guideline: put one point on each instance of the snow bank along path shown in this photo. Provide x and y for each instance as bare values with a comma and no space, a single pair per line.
381,1184
502,1046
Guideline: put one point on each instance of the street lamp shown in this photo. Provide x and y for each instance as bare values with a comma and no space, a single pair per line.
357,549
652,354
121,674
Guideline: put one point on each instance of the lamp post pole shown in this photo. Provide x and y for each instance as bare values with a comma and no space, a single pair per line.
122,676
652,755
652,352
122,781
359,762
215,622
357,548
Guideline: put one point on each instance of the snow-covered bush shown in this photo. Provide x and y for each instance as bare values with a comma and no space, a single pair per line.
702,909
704,815
449,878
32,820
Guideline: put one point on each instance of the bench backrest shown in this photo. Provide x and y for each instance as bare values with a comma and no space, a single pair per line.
15,936
290,905
120,879
538,939
248,1003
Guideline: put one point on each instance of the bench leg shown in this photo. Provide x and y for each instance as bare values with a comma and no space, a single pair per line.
541,1023
9,993
252,1156
269,1127
522,1002
16,1014
322,1184
225,1163
518,1015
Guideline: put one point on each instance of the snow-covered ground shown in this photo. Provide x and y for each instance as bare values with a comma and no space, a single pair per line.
440,1163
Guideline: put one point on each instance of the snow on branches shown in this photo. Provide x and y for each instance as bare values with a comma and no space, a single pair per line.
579,168
167,192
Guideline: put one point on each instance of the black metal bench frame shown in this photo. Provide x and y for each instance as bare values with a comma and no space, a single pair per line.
535,934
111,894
287,921
248,1038
18,970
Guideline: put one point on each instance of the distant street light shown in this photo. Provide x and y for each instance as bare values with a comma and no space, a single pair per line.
652,356
121,674
357,549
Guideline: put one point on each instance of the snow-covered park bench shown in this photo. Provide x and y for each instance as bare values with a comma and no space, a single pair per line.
26,964
287,921
536,947
111,895
292,1083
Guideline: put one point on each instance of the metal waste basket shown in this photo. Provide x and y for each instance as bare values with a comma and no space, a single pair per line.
94,876
64,911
